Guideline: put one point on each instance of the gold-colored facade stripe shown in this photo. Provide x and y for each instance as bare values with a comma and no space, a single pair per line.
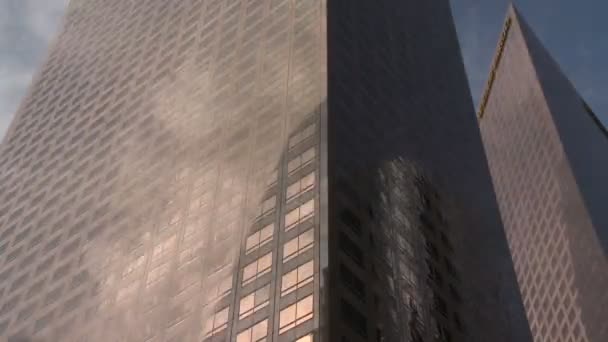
495,63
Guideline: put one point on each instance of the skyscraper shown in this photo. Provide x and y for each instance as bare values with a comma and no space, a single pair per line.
547,156
252,170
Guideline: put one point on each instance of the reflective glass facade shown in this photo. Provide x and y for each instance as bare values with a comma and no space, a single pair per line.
250,170
547,156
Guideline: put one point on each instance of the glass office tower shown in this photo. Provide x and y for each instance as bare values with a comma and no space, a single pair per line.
548,160
252,170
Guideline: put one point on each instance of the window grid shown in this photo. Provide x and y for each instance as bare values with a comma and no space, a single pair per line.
268,205
301,160
307,338
217,322
299,214
256,333
222,289
257,268
254,302
300,186
302,135
298,245
259,238
296,314
297,278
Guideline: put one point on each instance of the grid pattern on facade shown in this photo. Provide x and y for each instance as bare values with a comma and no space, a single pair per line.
153,141
538,198
397,100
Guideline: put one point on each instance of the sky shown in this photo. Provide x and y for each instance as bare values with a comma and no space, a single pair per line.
573,31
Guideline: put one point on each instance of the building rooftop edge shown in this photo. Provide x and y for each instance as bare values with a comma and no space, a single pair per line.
595,118
511,14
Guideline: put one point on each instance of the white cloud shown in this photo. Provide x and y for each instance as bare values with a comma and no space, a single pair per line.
26,29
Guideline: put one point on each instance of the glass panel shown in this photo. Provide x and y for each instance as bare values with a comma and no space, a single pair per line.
299,214
293,190
225,285
257,268
259,331
268,205
298,245
265,263
259,238
256,333
308,155
294,164
266,233
297,278
262,296
252,242
221,318
209,325
287,317
307,209
272,178
296,314
290,248
306,238
244,336
292,217
308,181
307,338
306,270
304,308
250,271
289,280
246,305
216,322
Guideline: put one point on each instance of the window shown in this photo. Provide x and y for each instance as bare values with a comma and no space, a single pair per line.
254,302
299,214
273,176
307,338
295,314
297,278
268,205
257,268
351,249
220,288
259,238
352,282
301,160
354,318
302,135
256,333
300,186
217,322
298,245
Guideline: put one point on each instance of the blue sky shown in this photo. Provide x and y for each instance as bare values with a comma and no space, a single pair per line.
574,32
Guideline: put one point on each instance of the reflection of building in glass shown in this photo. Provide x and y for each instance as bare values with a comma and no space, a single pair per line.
548,160
237,170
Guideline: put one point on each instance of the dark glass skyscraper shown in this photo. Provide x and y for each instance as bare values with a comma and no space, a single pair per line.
548,158
252,170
